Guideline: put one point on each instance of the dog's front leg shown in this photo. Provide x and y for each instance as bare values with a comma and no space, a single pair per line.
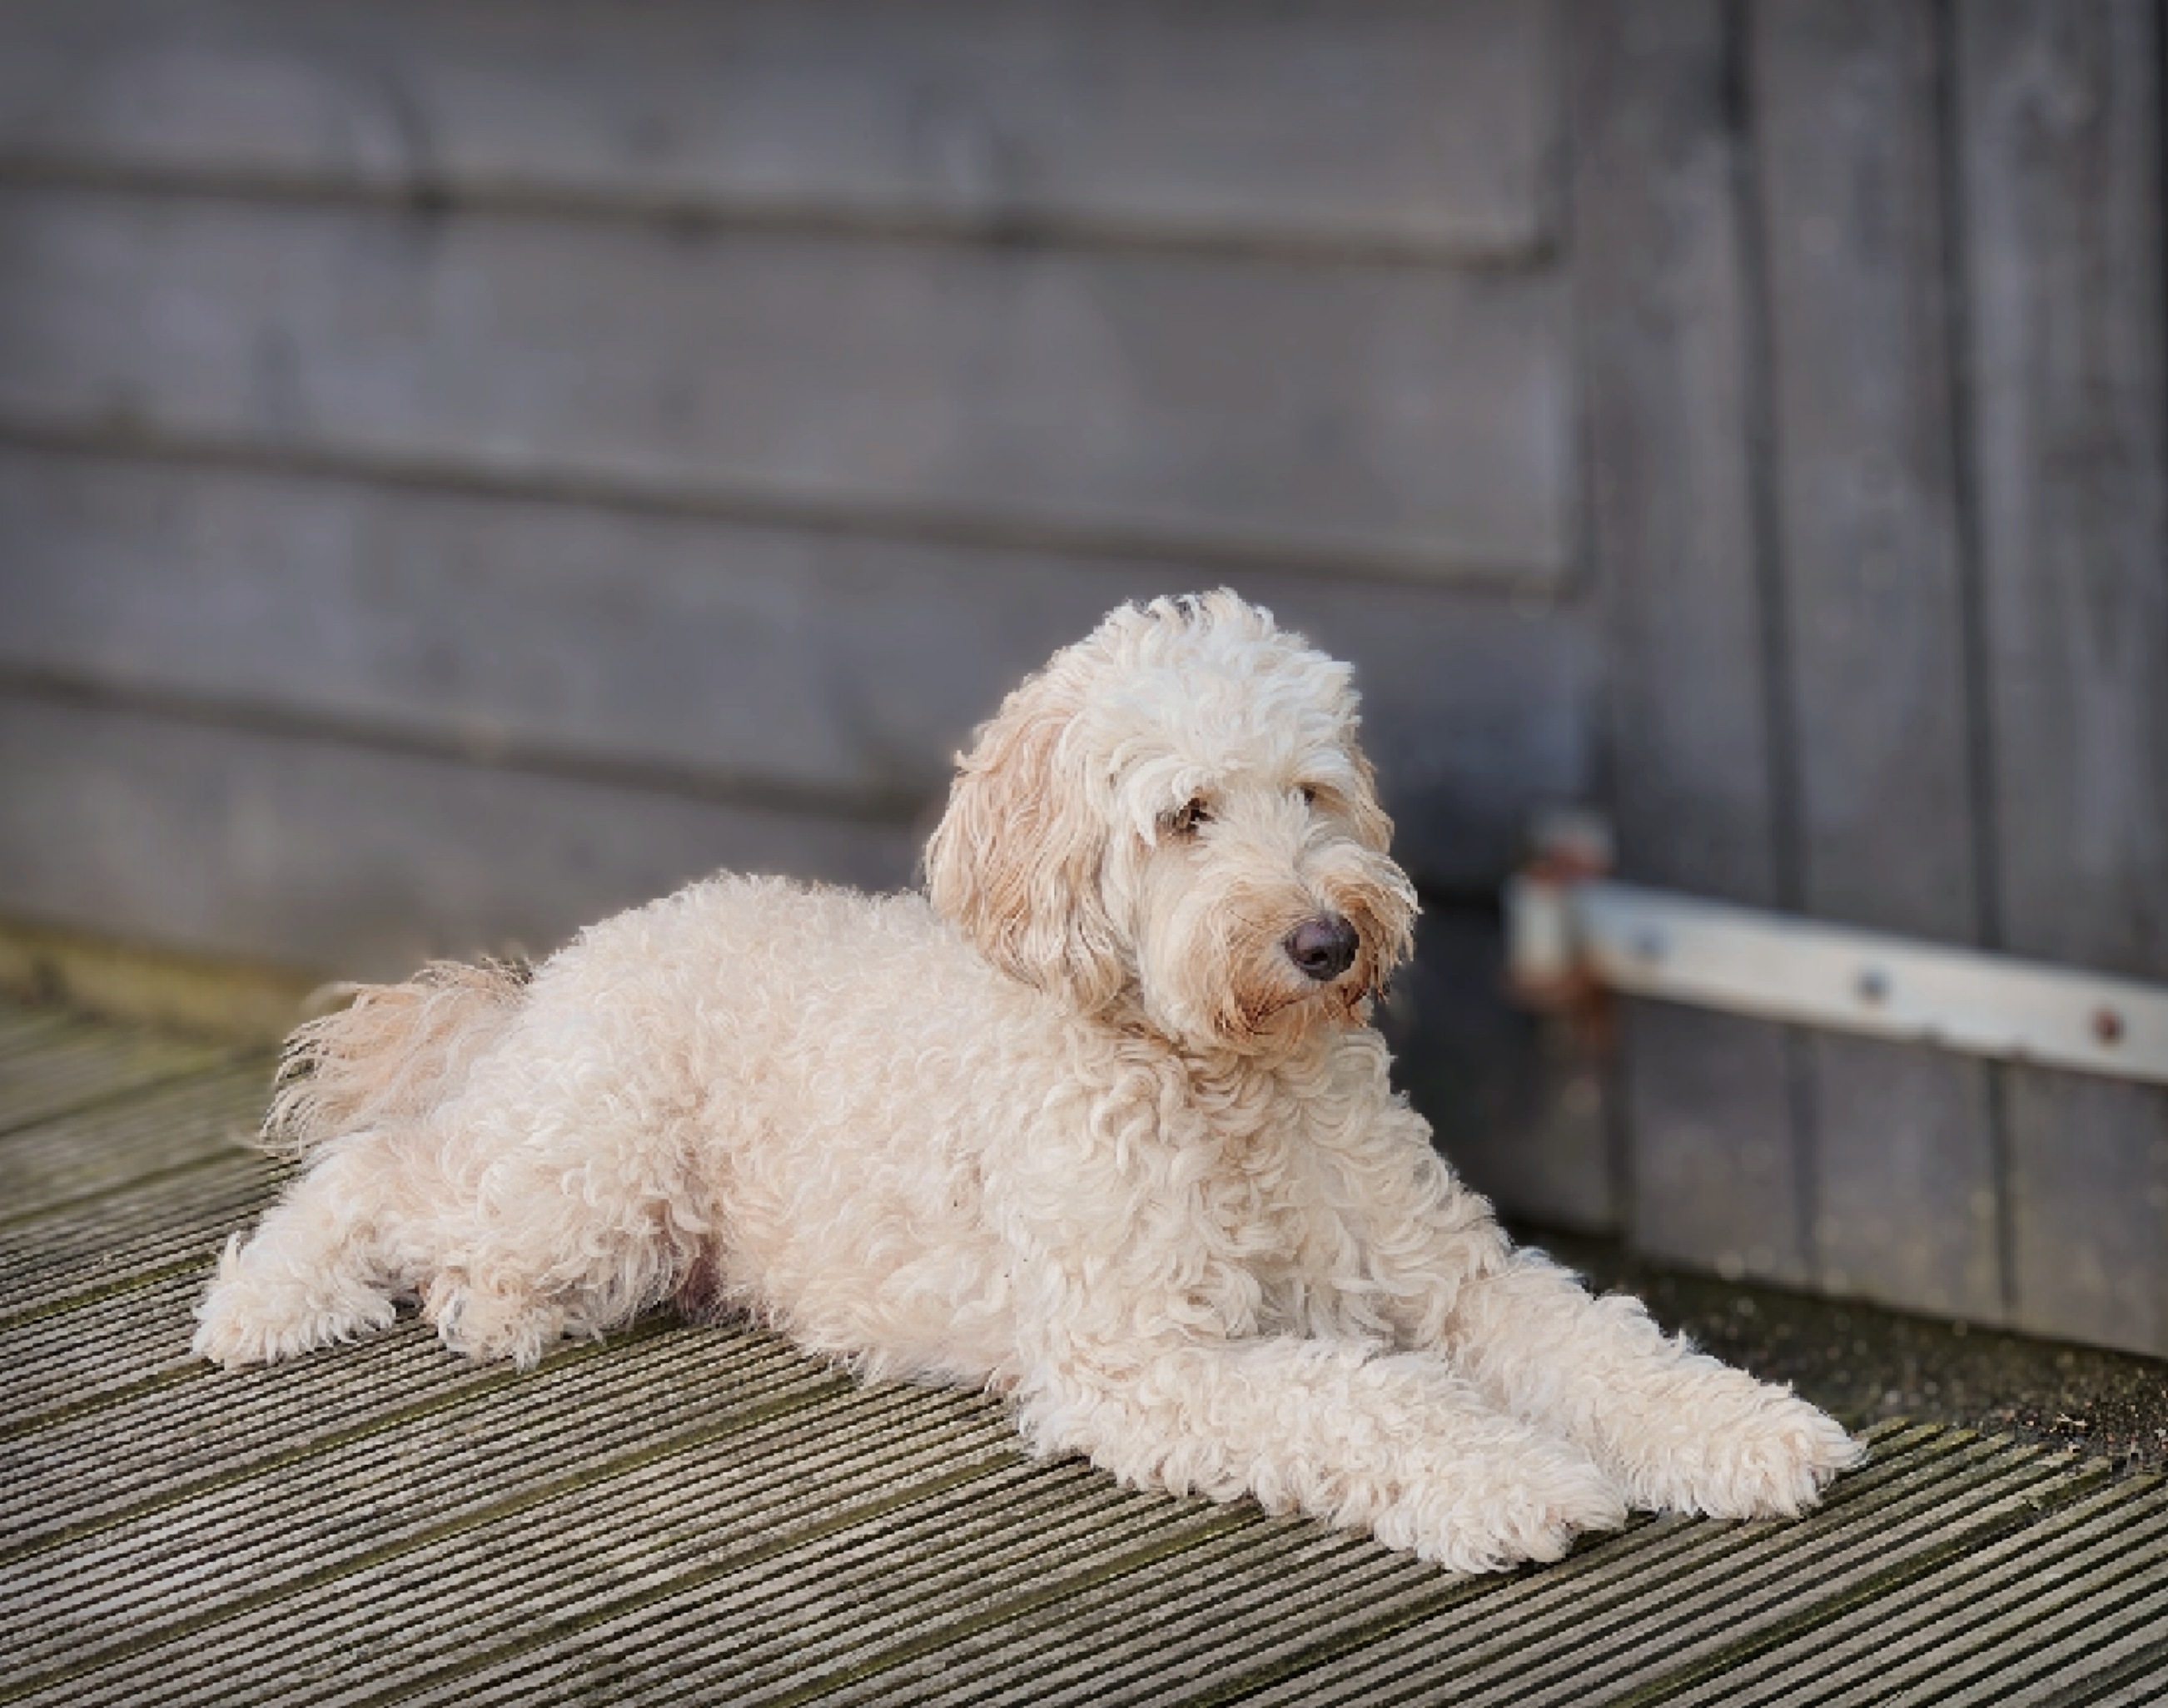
1396,1443
1675,1428
1672,1428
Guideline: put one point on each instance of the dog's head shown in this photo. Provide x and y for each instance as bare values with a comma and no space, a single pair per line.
1173,816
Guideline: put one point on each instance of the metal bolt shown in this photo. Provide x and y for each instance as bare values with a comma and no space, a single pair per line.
1874,986
2108,1026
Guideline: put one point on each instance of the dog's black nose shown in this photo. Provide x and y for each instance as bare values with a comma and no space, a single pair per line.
1323,947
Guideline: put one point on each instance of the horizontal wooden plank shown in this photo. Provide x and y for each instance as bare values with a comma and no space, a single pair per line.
63,1274
785,660
296,853
1395,421
236,1003
98,1352
164,1442
1369,122
530,1448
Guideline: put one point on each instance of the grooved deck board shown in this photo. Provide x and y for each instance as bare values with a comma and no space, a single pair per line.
124,1134
704,1514
72,1066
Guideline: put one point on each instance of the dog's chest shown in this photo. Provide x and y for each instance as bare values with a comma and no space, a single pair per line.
1284,1242
1220,1195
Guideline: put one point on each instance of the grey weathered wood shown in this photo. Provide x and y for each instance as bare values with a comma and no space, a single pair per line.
1663,303
1395,421
2061,143
1849,190
800,661
1514,1103
353,861
186,1120
704,1515
85,1066
43,1282
1371,123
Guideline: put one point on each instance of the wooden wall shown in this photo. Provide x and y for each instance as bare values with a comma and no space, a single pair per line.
464,466
1872,295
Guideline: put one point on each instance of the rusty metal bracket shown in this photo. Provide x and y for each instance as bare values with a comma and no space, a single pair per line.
1574,935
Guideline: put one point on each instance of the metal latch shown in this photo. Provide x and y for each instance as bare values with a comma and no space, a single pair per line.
1573,934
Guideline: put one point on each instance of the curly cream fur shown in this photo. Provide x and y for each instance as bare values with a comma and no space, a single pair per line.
1074,1124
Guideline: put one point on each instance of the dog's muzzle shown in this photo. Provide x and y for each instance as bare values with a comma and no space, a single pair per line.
1323,947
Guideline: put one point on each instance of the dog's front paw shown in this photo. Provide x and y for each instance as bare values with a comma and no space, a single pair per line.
1754,1451
1776,1463
1504,1510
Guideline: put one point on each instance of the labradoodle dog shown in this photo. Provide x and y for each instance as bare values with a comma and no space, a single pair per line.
1098,1121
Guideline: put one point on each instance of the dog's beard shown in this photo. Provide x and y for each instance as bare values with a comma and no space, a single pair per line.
1214,971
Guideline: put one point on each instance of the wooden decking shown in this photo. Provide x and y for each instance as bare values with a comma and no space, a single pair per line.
705,1516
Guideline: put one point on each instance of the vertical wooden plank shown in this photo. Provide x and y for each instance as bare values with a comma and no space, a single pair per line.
1846,101
1667,327
2060,133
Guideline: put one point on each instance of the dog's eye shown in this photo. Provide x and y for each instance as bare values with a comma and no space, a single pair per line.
1185,821
1309,793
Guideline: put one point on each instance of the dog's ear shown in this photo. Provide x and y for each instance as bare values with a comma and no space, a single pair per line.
1014,862
1373,829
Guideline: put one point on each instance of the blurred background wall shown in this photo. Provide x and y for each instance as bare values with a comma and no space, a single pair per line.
466,466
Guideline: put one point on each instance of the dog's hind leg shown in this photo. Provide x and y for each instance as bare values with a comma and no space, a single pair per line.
353,1091
315,1271
581,1216
554,1250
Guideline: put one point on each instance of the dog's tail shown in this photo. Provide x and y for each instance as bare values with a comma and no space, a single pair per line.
392,1053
